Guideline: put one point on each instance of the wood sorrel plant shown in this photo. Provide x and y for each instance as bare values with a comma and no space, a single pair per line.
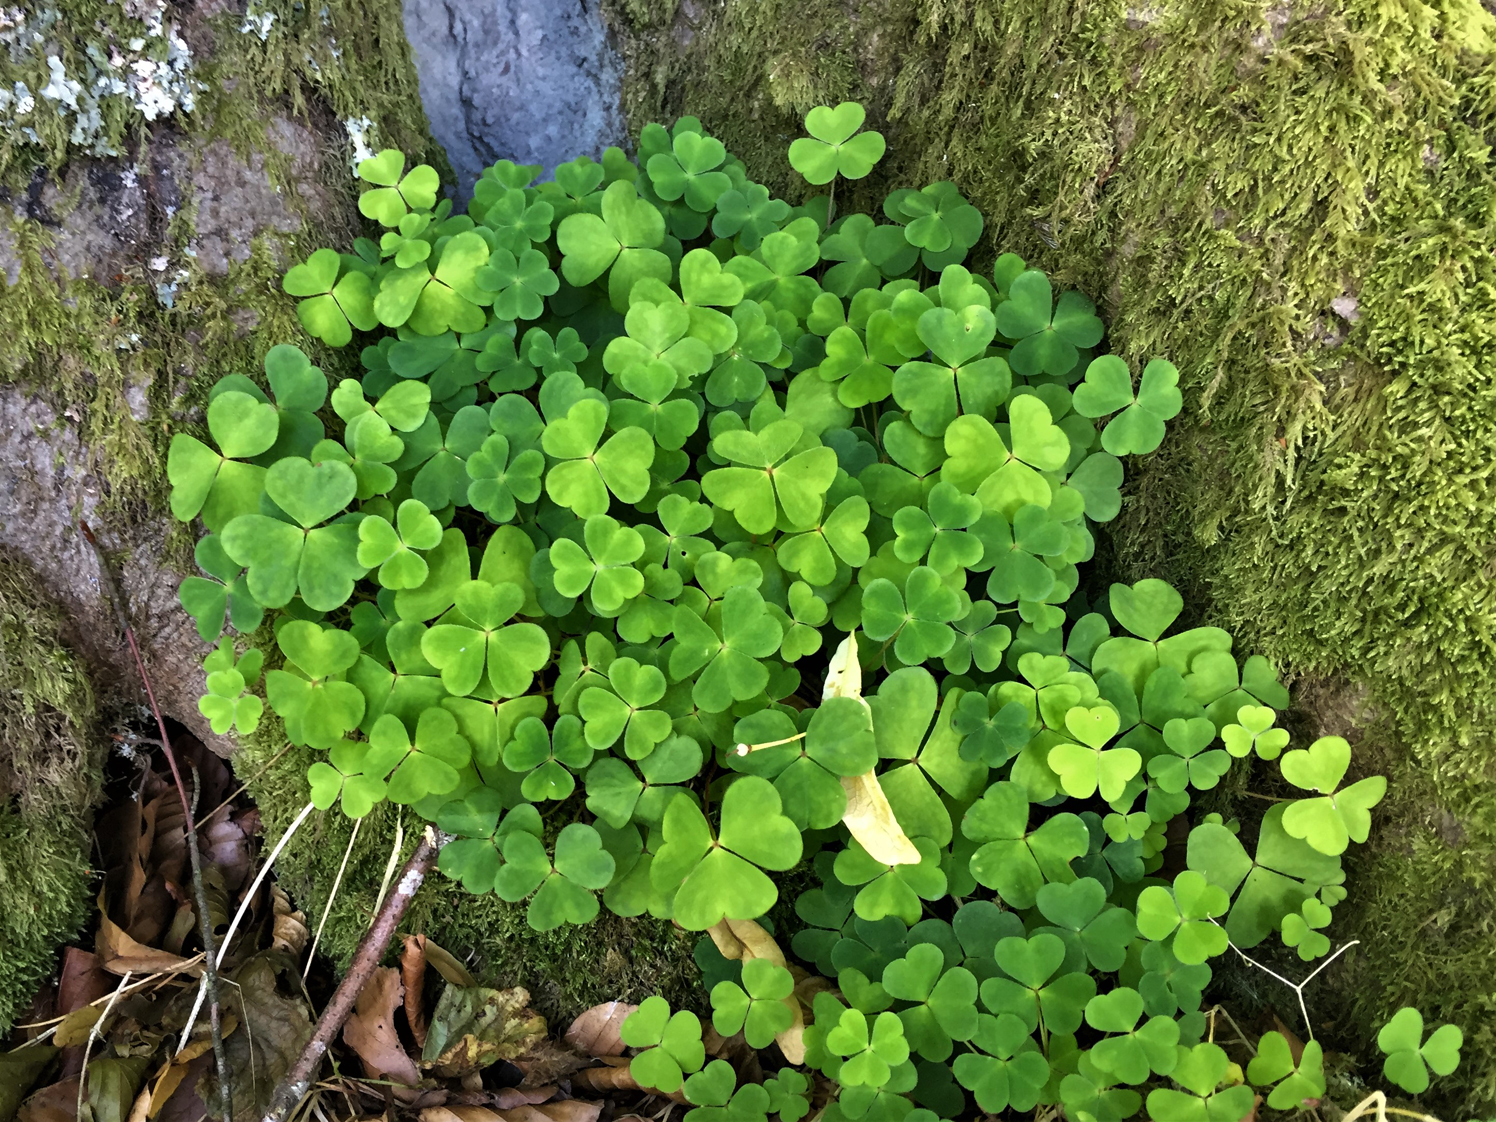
647,472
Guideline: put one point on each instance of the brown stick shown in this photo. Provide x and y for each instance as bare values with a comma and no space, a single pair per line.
189,810
290,1091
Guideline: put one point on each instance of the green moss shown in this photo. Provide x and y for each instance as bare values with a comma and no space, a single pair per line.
49,778
1218,175
86,345
566,970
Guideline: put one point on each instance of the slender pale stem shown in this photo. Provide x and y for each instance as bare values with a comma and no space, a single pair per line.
331,896
1378,1100
249,896
744,749
93,1034
1297,987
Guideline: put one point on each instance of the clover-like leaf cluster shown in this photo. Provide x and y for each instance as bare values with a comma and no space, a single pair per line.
644,473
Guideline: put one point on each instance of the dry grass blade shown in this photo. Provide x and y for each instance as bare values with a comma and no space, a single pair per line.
337,883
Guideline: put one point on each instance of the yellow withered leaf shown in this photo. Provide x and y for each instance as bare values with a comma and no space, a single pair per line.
844,676
873,824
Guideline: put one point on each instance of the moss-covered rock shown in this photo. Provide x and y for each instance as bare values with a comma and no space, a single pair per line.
141,259
50,762
1293,202
150,212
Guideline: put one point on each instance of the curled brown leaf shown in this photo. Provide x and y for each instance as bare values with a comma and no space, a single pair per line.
596,1031
371,1033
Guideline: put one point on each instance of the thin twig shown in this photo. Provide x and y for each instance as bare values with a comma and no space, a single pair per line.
298,1081
331,896
199,890
243,786
93,1034
249,896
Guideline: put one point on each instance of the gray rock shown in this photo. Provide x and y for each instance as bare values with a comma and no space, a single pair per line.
533,81
49,483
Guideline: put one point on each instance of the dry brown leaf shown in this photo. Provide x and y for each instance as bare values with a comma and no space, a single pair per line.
140,1108
729,946
713,1041
168,1079
871,820
595,1032
121,954
57,1103
808,985
166,869
447,966
183,924
460,1114
545,1061
289,933
505,1098
370,1031
183,1104
756,942
413,974
613,1076
82,980
220,907
869,817
126,834
563,1110
229,845
792,1040
1295,1045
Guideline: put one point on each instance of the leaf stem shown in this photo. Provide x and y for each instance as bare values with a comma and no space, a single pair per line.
1297,987
744,749
1378,1099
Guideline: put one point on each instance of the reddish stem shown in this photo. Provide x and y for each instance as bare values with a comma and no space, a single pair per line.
189,811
